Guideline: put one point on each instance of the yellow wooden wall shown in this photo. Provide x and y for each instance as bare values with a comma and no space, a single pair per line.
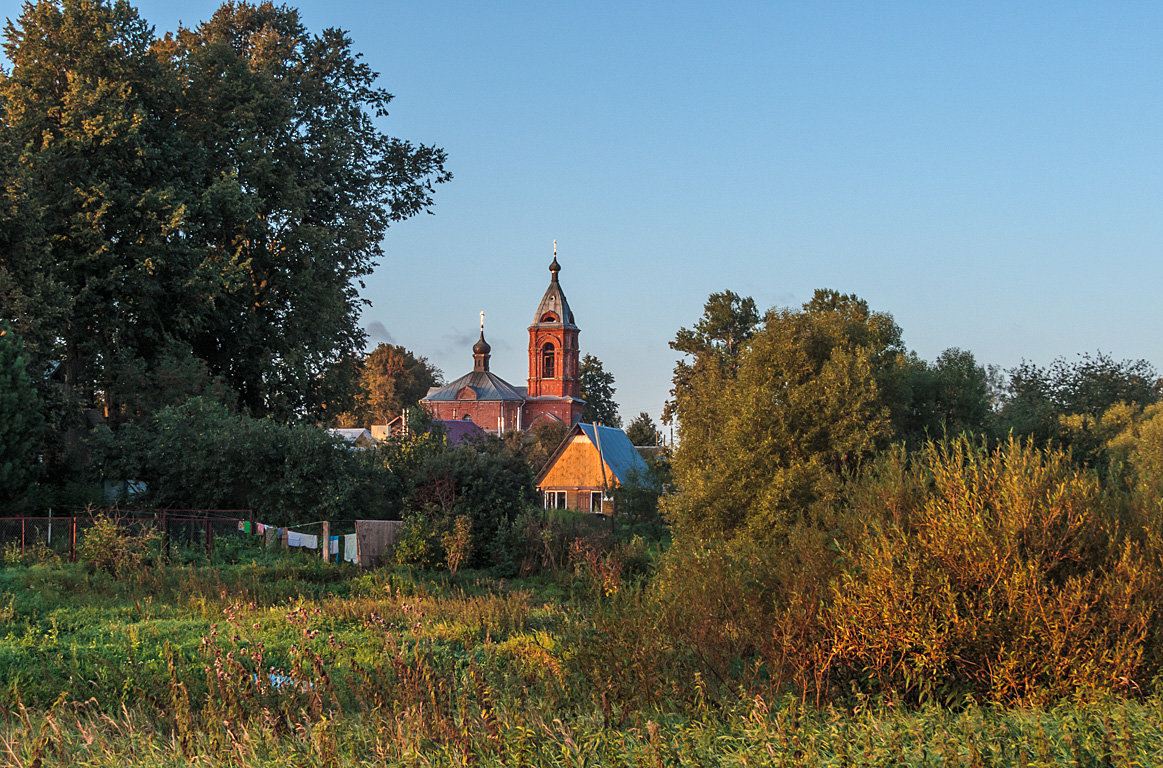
578,466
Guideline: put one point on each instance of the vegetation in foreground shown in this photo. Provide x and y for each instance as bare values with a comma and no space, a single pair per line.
290,662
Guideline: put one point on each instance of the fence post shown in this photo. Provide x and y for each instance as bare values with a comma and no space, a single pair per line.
73,541
209,538
22,533
326,542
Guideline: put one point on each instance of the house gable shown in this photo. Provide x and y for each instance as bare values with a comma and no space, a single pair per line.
576,465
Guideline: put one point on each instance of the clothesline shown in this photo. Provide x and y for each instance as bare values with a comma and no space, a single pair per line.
294,538
379,535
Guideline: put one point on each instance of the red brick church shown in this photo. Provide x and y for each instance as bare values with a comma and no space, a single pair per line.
552,391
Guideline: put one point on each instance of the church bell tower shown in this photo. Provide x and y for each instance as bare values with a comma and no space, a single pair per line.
553,347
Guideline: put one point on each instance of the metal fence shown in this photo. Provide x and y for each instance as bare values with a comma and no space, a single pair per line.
61,533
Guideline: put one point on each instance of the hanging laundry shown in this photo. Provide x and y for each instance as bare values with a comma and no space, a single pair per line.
334,549
349,554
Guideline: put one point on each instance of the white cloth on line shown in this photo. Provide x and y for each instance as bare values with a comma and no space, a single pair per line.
349,548
334,548
296,539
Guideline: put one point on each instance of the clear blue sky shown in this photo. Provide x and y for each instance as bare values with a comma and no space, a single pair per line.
990,173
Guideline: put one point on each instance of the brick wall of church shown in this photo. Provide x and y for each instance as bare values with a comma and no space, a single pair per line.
484,414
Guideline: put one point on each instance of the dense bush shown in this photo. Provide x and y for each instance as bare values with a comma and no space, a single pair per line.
119,549
201,455
1006,575
1010,574
485,483
418,544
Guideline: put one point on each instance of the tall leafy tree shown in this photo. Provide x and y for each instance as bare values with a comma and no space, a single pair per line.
391,379
88,117
217,194
297,186
642,431
768,434
597,389
715,341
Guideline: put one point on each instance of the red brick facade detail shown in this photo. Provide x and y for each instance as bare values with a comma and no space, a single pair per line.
568,411
489,415
553,362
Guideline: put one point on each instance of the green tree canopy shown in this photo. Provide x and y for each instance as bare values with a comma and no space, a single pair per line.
764,436
716,340
390,380
947,397
93,192
1037,399
642,431
597,389
296,186
220,191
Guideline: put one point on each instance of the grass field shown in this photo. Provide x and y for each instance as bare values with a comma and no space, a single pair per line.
289,662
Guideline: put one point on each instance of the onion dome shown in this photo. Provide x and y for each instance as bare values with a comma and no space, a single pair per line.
481,347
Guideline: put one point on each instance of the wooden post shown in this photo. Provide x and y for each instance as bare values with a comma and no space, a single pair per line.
602,464
22,533
73,541
326,542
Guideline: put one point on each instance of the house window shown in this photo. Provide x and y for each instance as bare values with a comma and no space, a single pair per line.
547,362
596,502
466,417
555,500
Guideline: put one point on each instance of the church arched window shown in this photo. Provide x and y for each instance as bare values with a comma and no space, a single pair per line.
547,367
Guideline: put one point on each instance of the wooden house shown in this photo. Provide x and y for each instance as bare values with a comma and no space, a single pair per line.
589,464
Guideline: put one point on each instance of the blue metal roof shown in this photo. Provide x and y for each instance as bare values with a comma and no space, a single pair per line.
616,449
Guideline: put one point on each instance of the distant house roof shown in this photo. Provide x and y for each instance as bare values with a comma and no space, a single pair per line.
480,385
355,436
460,431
